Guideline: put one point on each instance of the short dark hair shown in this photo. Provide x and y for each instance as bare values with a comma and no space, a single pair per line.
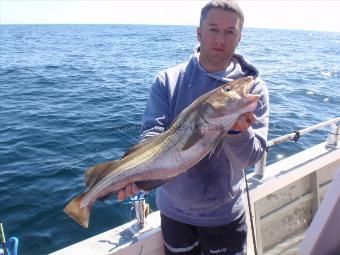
227,5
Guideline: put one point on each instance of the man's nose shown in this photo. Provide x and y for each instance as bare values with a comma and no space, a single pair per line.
219,39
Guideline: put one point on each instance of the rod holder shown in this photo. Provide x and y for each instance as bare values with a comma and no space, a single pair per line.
261,165
333,136
141,207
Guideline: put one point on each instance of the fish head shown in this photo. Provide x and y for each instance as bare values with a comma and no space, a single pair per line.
230,101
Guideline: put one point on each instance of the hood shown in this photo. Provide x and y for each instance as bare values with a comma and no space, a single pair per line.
238,68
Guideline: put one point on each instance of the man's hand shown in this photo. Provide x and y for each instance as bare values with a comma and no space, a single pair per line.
244,122
130,190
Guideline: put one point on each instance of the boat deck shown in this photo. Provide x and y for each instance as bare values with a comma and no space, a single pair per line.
283,203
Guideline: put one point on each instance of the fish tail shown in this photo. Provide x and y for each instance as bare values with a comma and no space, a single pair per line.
80,214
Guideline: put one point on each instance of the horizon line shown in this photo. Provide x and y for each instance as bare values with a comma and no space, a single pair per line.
162,24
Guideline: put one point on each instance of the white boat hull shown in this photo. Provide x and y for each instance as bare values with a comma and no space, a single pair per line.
283,204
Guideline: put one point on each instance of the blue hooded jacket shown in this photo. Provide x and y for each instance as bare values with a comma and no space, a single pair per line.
211,192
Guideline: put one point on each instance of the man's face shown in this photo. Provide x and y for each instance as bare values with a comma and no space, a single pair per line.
218,36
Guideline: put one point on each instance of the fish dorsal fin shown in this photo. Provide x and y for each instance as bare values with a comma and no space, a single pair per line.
98,172
139,145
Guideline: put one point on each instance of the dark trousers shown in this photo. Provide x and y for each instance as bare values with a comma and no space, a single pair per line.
185,239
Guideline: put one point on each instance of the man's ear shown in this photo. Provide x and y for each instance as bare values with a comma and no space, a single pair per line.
198,34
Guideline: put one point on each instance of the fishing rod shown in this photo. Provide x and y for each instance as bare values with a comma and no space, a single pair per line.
250,215
11,246
3,239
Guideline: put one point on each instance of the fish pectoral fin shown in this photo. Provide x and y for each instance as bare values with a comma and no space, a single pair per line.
193,139
218,142
98,172
139,146
151,184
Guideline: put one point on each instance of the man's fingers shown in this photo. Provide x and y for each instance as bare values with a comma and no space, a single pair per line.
248,120
121,195
251,118
244,121
135,189
129,190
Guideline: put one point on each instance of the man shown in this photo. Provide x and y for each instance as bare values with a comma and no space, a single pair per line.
202,210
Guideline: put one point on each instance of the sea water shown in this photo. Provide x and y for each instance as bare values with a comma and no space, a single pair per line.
66,91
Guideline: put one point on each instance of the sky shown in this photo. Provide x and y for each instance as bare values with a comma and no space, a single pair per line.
301,14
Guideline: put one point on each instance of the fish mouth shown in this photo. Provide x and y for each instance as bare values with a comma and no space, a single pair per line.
241,86
251,102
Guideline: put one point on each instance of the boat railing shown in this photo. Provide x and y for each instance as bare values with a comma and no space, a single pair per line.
332,141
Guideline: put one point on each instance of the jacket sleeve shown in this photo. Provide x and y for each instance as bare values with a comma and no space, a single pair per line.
156,118
246,148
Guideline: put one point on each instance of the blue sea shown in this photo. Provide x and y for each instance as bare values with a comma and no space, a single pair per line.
64,90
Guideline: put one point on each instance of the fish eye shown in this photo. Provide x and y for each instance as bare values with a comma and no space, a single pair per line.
227,88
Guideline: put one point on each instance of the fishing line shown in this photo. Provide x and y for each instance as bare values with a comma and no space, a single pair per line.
250,215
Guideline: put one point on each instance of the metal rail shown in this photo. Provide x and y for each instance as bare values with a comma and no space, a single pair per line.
294,136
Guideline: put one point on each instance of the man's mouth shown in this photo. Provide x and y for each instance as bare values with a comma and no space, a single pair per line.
218,49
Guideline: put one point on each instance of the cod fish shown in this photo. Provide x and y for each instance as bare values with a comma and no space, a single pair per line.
194,134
